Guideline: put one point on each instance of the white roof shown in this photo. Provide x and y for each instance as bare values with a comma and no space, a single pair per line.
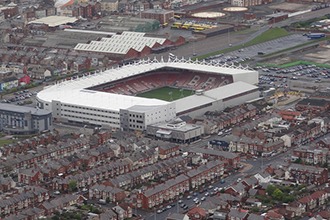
210,96
53,21
121,44
75,92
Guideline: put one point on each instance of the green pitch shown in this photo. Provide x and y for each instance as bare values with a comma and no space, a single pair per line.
167,93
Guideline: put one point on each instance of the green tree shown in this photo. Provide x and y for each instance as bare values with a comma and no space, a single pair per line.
72,185
270,189
255,209
277,194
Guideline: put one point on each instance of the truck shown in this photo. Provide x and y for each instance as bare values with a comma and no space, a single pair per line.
315,35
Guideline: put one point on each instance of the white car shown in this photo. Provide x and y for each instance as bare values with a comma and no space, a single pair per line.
203,198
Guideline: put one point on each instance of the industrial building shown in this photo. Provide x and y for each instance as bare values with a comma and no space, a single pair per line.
127,45
163,16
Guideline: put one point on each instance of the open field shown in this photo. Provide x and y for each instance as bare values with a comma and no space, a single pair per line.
268,35
167,93
5,141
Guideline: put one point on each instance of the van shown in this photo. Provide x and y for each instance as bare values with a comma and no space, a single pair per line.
102,201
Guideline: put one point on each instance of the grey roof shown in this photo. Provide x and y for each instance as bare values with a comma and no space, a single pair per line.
253,216
210,96
237,213
23,109
166,185
225,154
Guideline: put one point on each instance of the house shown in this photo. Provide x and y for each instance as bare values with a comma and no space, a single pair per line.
163,192
108,193
253,216
274,215
238,189
238,214
308,174
108,215
297,208
24,80
61,202
197,213
123,211
313,105
205,173
30,176
177,216
109,5
166,150
6,184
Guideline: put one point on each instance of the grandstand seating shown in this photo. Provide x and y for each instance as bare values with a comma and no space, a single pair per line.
181,79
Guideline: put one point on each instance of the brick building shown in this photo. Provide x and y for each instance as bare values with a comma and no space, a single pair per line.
308,174
163,16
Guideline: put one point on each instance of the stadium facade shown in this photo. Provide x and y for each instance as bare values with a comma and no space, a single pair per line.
109,98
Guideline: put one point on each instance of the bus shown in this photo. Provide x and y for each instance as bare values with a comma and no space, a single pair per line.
177,17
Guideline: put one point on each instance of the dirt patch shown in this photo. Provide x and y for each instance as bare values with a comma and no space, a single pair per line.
290,7
320,56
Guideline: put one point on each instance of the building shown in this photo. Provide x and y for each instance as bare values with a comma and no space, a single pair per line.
277,17
313,105
139,117
127,45
8,83
104,98
176,131
305,174
109,5
163,16
166,191
10,10
24,120
248,3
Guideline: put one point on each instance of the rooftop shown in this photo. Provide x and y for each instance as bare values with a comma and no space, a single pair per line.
53,21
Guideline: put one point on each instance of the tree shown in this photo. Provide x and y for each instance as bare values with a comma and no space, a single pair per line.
270,189
277,194
72,185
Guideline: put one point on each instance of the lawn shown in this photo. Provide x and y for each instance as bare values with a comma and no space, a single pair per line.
268,35
6,141
167,93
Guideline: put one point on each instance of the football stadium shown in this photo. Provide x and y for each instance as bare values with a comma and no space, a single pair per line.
147,92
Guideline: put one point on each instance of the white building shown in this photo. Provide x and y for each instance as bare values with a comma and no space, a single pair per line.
75,101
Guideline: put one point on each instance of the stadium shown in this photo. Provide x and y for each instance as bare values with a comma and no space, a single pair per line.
148,92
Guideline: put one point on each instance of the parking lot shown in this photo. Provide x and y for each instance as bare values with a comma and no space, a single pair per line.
24,97
305,75
270,46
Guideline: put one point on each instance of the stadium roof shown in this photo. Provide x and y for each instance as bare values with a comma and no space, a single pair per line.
53,21
121,44
210,96
81,96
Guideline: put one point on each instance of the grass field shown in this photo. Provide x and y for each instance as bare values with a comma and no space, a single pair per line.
167,93
4,142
